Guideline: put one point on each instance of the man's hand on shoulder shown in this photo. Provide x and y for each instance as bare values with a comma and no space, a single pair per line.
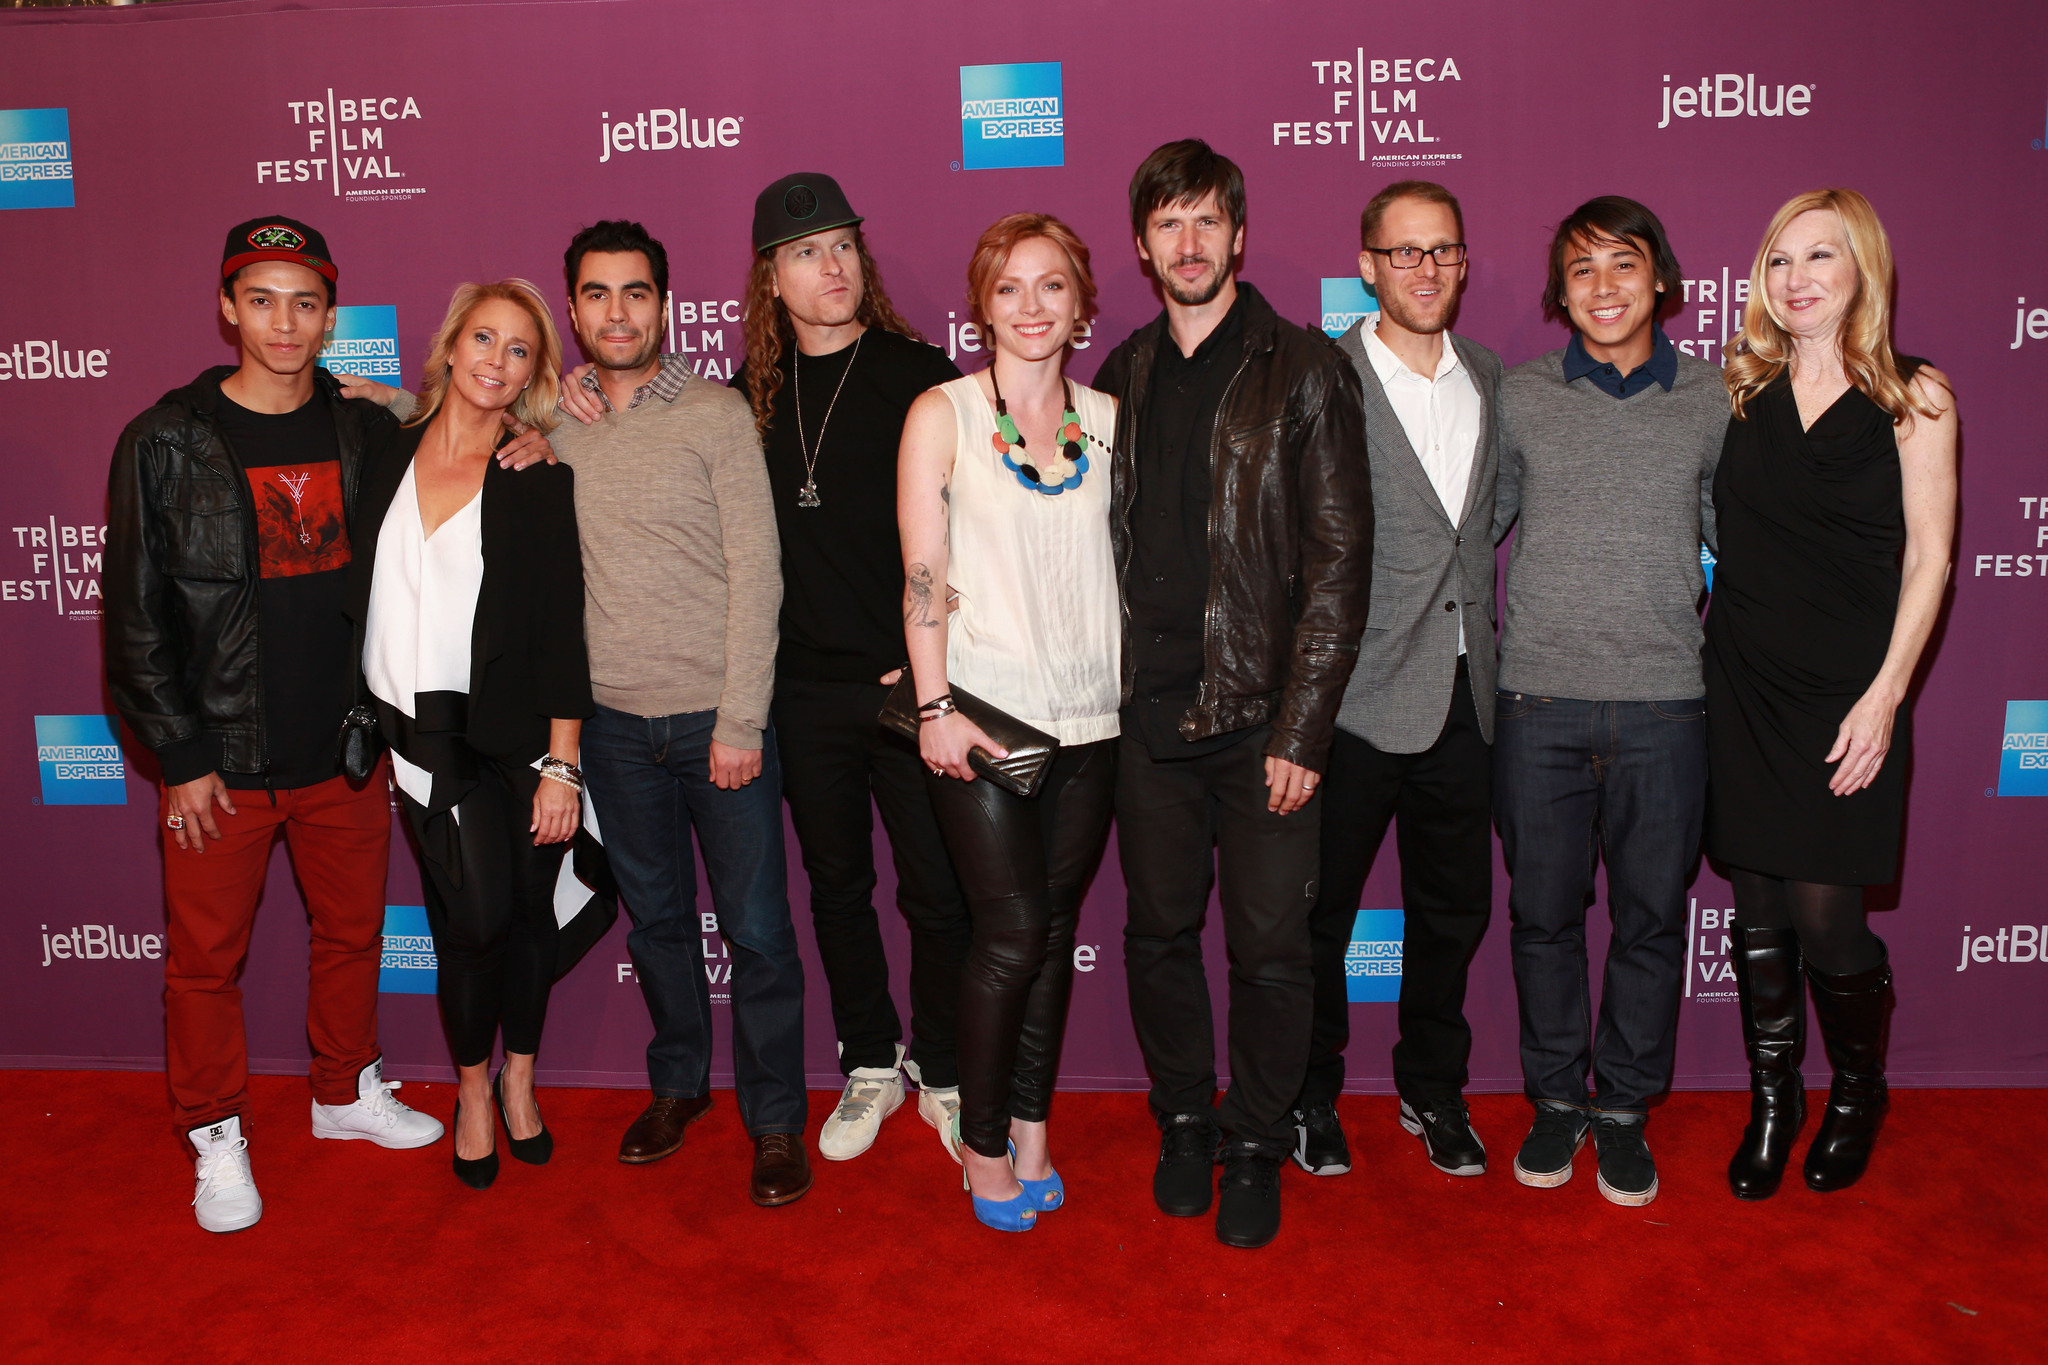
529,445
579,402
355,386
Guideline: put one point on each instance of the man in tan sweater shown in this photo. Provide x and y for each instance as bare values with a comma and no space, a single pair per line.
683,585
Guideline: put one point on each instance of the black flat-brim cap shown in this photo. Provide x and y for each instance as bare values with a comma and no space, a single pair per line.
797,206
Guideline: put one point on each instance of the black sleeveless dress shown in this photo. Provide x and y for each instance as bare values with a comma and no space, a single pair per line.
1806,589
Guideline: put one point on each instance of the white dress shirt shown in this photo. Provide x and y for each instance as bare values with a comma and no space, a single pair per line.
1441,415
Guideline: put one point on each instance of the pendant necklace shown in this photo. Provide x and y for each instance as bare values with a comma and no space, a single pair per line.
1070,455
807,496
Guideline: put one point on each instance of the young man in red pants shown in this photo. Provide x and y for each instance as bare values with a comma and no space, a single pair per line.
229,655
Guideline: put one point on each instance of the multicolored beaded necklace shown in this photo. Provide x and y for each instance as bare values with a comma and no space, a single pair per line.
1064,470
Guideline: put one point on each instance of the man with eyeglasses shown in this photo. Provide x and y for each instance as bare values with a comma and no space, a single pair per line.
1414,743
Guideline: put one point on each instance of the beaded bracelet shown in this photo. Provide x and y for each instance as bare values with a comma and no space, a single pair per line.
562,771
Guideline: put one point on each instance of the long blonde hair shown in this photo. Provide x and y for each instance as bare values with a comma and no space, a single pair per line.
536,404
1763,350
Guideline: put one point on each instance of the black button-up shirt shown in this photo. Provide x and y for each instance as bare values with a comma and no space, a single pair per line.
1167,584
1660,369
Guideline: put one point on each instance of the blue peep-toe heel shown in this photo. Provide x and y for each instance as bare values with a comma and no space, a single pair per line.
1019,1214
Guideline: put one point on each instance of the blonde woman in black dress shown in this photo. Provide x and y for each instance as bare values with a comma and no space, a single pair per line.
1836,503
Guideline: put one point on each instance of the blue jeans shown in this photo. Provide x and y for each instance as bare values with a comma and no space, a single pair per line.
650,781
1575,782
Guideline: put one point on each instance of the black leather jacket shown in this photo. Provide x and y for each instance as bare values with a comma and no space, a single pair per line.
184,657
1290,531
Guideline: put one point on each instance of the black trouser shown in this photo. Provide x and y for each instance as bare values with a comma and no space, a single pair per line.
1442,801
1025,865
494,934
1176,820
835,759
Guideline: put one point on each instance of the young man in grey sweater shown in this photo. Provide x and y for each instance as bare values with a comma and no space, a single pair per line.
1608,449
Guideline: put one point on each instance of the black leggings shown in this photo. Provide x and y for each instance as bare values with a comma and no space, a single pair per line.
1024,866
495,933
1834,935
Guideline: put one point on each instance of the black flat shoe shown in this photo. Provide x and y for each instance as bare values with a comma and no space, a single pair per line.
534,1151
477,1174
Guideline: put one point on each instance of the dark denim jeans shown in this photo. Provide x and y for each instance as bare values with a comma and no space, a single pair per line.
650,782
1575,782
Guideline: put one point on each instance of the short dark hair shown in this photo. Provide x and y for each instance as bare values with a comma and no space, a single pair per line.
1181,173
1611,218
616,234
227,286
1428,191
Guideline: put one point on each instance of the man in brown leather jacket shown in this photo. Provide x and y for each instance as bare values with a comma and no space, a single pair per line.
1242,524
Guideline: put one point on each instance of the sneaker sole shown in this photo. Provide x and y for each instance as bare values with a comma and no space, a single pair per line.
1415,1130
333,1134
248,1222
873,1133
1548,1180
1625,1199
1300,1158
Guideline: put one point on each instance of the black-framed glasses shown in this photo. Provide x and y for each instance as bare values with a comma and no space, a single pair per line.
1408,257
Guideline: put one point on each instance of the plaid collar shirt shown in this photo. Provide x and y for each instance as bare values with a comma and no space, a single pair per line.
668,381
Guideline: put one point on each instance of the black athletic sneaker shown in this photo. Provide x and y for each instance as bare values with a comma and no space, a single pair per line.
1445,1127
1319,1146
1545,1160
1184,1181
1628,1175
1248,1211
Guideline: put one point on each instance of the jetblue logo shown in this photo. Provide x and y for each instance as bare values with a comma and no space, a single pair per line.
80,757
1345,301
35,158
409,966
1012,115
365,342
2023,761
1372,964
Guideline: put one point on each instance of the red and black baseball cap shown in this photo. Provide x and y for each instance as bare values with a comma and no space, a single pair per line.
276,239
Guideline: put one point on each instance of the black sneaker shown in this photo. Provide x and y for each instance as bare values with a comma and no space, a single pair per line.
1248,1213
1445,1127
1628,1175
1319,1146
1184,1181
1545,1160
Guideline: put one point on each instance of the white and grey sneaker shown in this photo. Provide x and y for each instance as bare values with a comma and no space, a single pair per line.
376,1116
939,1107
225,1199
872,1094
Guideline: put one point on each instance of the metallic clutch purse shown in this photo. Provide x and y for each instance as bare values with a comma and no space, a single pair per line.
1031,750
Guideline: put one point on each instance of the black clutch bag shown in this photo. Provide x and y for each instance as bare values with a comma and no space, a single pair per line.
1031,750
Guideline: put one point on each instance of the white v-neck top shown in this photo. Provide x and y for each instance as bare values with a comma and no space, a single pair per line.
422,612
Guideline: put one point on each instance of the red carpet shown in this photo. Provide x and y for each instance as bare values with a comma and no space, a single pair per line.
370,1255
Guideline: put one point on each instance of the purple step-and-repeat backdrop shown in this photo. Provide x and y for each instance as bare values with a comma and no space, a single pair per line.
460,141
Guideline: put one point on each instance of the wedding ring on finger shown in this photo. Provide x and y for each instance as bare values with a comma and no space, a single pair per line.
175,822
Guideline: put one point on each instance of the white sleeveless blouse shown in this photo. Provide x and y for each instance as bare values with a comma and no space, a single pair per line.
1035,630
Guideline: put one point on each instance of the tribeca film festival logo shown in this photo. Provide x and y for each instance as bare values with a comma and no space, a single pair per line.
96,943
365,342
2027,560
717,961
345,146
666,130
408,966
80,761
1734,96
63,564
1376,106
1012,115
1372,963
35,158
1707,944
2023,758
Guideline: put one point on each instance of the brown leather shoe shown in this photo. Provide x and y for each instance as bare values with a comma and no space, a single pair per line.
659,1129
782,1171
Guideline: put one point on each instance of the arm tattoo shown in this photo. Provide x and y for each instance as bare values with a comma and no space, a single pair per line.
917,590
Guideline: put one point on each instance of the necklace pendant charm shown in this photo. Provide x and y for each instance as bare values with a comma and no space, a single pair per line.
807,496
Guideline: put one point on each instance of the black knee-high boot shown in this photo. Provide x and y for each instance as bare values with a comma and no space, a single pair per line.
1855,1017
1773,995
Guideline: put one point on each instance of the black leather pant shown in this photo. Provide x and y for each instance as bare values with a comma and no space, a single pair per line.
494,934
1024,866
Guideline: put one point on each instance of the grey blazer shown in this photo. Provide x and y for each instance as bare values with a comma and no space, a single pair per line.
1400,693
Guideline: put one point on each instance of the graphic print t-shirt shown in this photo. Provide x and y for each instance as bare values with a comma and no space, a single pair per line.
294,468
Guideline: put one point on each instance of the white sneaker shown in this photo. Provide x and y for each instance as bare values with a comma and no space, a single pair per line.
226,1198
872,1094
375,1115
939,1108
